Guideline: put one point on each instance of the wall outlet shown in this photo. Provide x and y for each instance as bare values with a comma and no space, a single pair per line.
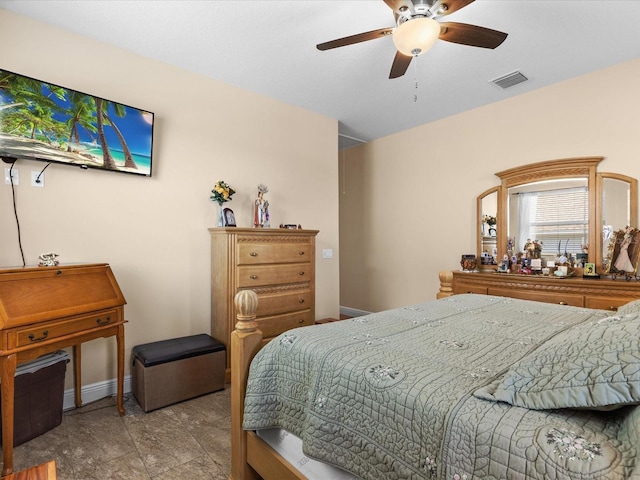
37,179
15,174
327,253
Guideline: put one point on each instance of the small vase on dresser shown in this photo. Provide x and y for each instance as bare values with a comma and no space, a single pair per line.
220,216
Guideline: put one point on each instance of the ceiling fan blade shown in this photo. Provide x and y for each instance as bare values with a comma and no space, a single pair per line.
400,6
446,7
473,35
400,64
350,40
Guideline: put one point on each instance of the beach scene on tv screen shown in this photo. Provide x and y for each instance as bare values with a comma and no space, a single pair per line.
46,122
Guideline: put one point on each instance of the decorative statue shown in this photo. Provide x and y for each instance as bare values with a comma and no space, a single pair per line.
261,209
48,259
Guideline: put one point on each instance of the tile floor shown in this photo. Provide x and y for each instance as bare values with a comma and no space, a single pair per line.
189,440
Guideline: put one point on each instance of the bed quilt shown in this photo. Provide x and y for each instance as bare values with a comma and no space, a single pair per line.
391,395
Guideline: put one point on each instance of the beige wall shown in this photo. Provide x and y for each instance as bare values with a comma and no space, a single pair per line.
153,231
407,201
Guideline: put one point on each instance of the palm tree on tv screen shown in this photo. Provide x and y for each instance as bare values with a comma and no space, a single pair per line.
120,111
82,113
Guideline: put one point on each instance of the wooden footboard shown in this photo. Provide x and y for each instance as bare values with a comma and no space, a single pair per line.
251,457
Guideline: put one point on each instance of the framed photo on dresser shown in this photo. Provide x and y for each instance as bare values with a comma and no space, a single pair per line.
229,218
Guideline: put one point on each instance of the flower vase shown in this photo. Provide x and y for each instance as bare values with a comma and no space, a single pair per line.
220,215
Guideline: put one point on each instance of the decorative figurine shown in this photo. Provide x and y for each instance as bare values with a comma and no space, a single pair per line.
261,209
48,260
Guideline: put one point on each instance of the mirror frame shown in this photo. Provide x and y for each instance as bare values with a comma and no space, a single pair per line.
633,208
585,167
480,213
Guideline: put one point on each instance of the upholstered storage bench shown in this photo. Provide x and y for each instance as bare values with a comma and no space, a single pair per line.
170,371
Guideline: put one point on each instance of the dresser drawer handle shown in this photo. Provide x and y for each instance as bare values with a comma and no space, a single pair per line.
107,320
300,273
563,303
33,338
301,320
615,309
253,254
301,300
301,252
253,277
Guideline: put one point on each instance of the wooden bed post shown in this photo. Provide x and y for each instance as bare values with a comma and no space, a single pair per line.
446,284
246,340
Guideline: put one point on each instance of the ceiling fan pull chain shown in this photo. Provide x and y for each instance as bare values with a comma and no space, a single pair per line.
415,78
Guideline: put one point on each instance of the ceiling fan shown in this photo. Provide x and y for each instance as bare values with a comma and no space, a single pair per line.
417,30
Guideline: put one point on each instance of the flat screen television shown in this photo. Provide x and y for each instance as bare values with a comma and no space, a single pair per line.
47,122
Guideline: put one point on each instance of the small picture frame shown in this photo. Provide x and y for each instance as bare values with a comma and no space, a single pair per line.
589,270
504,266
229,218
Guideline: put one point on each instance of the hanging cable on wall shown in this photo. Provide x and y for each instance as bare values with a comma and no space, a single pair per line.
15,209
37,180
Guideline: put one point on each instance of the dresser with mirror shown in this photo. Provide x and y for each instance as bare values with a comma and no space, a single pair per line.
569,208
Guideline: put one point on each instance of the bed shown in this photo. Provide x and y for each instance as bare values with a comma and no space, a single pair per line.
465,387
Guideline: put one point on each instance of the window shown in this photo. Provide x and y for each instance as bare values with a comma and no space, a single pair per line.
558,218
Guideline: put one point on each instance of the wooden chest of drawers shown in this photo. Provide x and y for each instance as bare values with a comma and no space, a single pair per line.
277,264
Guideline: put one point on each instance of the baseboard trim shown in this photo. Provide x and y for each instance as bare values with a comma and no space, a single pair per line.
95,391
352,312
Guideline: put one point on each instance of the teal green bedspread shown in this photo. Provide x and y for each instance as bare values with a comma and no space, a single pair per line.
391,395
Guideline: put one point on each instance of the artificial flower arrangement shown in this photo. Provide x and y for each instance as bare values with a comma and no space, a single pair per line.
489,220
222,192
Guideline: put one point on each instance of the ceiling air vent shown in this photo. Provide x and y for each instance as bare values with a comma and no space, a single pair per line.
510,79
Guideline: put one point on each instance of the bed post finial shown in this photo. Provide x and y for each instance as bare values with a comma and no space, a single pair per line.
446,284
246,302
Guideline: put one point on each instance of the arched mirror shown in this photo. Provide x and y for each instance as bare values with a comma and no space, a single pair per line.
617,209
557,207
487,214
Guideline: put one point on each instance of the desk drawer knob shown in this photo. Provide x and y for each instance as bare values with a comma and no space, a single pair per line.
107,320
33,338
301,320
253,254
300,273
301,252
253,277
301,300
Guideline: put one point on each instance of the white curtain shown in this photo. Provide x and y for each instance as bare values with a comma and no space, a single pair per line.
527,203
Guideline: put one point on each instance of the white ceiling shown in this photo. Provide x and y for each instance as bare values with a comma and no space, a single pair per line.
268,46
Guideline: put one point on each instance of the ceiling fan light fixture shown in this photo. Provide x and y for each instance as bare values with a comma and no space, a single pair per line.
416,36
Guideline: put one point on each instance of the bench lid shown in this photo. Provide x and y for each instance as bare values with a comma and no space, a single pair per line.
164,351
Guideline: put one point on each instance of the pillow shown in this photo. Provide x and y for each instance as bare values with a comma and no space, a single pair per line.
593,365
631,307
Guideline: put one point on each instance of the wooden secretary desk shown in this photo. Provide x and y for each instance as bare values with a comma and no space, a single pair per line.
43,309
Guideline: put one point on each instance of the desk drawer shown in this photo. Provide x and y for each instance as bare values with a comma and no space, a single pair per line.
284,303
47,331
267,253
273,275
272,326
